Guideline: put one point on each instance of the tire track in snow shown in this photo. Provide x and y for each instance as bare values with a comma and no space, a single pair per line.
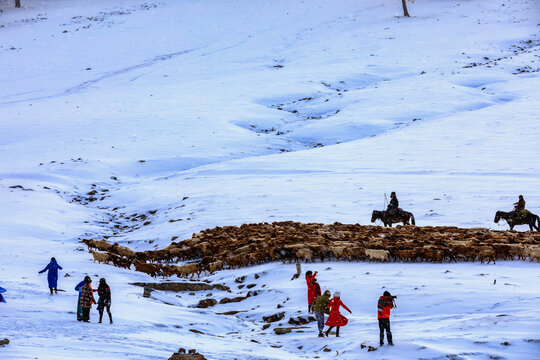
147,63
85,85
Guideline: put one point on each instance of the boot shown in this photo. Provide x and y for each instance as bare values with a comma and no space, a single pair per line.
321,334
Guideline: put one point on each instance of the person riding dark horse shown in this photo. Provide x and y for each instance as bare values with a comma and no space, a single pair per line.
393,207
519,208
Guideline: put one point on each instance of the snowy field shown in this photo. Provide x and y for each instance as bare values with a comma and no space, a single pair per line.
222,112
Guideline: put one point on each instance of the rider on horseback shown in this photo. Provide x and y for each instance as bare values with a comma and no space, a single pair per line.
519,207
393,206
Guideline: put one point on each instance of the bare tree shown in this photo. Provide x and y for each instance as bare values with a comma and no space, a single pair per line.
18,3
405,12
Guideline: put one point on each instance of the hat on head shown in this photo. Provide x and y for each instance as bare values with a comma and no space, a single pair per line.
386,293
337,294
87,279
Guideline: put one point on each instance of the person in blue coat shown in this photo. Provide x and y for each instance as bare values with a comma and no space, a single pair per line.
79,307
2,290
52,275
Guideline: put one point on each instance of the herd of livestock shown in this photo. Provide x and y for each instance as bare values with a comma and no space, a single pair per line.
234,246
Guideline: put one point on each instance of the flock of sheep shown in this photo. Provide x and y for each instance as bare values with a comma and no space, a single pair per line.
233,246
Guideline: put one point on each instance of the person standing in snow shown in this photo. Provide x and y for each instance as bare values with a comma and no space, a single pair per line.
386,302
52,275
335,318
310,276
320,307
104,301
79,307
87,298
315,291
2,290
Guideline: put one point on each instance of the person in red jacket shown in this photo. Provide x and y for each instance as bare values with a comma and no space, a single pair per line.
335,318
313,293
386,302
310,276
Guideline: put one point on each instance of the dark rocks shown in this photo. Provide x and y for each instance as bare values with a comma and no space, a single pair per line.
227,300
206,303
234,312
286,330
191,355
282,331
4,342
182,286
240,279
301,320
274,318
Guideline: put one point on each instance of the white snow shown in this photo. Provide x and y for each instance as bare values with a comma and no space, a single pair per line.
228,112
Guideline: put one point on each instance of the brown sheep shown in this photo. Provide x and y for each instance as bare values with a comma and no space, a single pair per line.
102,245
409,255
215,266
188,269
304,254
150,269
102,258
534,254
119,261
125,252
486,253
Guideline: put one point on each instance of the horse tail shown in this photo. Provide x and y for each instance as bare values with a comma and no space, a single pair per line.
412,219
538,223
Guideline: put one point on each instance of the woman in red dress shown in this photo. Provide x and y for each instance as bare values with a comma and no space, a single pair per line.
335,318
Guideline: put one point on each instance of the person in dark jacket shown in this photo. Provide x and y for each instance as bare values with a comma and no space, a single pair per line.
104,301
320,307
52,275
87,298
78,287
394,203
2,290
519,207
386,302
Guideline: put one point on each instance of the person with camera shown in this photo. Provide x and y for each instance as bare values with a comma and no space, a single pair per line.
386,302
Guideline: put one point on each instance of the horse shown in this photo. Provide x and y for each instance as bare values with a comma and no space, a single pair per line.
513,218
388,218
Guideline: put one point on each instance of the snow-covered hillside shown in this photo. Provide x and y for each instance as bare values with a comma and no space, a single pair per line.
206,113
